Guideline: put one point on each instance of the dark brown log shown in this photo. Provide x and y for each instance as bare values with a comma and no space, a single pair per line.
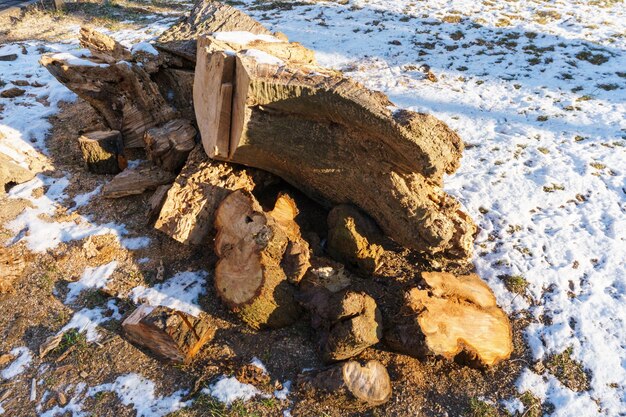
349,385
339,142
136,181
452,315
103,152
248,277
169,145
188,213
347,322
123,93
12,174
103,46
169,334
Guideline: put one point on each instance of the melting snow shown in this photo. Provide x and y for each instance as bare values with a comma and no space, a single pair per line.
243,38
87,320
228,389
92,278
19,364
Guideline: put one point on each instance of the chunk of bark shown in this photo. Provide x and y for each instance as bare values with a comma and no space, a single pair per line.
12,92
11,269
103,152
103,46
12,174
136,181
249,278
349,385
347,322
155,203
123,94
352,238
169,334
453,315
338,142
169,145
188,213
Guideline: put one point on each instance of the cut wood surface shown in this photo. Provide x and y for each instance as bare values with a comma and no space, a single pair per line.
103,46
249,277
136,181
188,212
169,334
103,152
350,384
339,142
169,145
453,314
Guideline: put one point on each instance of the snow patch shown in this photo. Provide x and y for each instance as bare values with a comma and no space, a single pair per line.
262,57
19,364
144,47
92,278
242,37
228,390
87,320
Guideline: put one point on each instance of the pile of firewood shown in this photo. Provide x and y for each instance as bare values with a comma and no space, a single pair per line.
263,109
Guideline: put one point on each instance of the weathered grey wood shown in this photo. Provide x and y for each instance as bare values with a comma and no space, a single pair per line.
103,152
136,181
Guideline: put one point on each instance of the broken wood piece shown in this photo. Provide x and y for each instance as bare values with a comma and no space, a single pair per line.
169,145
327,274
155,203
11,173
50,344
249,278
353,237
349,384
453,315
136,181
103,46
103,152
169,334
347,322
188,212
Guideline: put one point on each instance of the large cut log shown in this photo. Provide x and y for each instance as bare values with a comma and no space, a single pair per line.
347,322
122,92
349,385
136,181
103,152
249,276
339,142
169,145
172,335
188,213
452,315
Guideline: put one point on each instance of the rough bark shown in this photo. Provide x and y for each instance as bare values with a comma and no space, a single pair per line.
347,322
249,277
12,174
136,181
103,46
169,334
349,384
188,213
122,92
453,315
338,142
103,152
169,145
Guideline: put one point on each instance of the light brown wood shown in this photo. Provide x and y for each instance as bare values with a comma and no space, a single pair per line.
11,268
136,181
169,145
188,213
453,315
349,384
103,46
169,334
103,152
12,173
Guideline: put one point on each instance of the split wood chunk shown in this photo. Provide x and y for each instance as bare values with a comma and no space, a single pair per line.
103,152
338,142
248,277
455,314
188,212
155,203
350,384
348,322
11,173
136,181
11,268
351,238
122,92
169,334
103,46
169,145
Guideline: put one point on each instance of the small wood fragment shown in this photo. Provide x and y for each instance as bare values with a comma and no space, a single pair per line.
103,46
12,92
103,152
11,269
136,181
155,203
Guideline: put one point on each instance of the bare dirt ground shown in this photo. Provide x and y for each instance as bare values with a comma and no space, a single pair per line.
35,309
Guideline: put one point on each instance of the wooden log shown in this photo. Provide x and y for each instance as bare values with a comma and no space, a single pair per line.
176,86
249,278
12,174
349,384
169,334
453,315
103,152
169,145
339,142
103,46
123,94
136,181
347,322
188,213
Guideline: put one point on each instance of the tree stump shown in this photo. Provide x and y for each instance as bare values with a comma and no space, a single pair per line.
453,315
249,277
103,152
349,385
169,334
169,145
